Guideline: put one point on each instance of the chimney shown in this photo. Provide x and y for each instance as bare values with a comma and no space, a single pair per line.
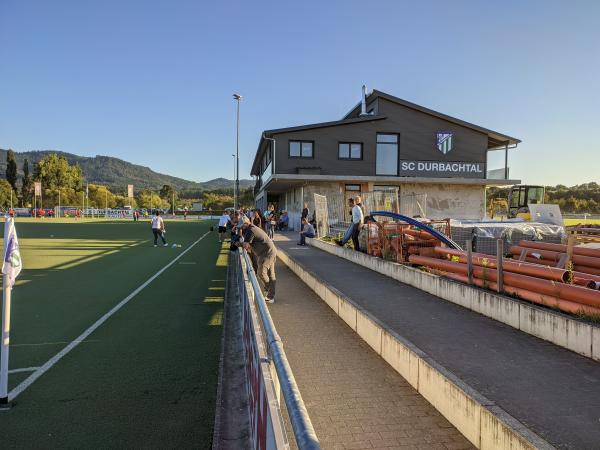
363,102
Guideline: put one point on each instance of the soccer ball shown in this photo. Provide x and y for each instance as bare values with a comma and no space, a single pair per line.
174,246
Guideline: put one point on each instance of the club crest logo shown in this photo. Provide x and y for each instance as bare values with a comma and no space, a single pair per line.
444,142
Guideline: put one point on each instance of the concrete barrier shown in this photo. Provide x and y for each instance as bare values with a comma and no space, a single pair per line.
481,421
560,329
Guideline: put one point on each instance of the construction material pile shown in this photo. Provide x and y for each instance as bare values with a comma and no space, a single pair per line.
396,241
484,234
586,261
537,278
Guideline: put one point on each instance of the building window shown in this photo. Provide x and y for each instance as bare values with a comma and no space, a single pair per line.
377,188
353,187
350,150
301,149
387,154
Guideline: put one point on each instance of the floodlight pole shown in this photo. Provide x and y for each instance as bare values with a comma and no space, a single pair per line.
234,172
237,98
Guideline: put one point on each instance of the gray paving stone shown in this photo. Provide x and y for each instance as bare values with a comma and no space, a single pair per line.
353,397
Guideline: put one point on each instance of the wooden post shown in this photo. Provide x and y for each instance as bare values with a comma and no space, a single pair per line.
499,263
570,245
470,261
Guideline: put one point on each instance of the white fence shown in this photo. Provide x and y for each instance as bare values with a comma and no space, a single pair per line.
333,214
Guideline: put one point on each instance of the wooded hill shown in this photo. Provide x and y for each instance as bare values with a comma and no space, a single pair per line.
117,174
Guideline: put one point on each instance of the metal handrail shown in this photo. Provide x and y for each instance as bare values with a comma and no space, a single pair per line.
305,435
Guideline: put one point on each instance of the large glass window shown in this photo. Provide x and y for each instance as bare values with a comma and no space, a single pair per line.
350,150
535,195
301,149
387,154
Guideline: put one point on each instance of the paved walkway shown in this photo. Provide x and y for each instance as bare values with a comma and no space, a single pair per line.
354,398
553,391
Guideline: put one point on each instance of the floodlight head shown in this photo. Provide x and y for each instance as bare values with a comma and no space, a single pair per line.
237,97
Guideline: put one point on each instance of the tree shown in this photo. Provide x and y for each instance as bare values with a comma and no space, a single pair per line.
55,173
167,193
100,196
11,169
26,184
5,190
148,199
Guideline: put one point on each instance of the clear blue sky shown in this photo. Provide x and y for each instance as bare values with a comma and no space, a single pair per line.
151,82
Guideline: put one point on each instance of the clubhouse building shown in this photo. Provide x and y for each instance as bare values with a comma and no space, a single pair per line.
383,143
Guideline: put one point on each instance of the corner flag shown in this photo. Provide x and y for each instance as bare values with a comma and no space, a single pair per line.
11,265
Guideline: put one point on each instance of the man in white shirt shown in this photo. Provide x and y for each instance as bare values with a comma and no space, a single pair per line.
158,228
358,219
223,221
354,229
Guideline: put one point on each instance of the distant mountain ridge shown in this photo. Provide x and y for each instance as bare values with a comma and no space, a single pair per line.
117,173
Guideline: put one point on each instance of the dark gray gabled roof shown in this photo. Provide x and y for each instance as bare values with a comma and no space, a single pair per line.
495,139
312,126
344,121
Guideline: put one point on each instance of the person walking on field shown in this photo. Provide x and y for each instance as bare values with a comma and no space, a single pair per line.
158,228
259,243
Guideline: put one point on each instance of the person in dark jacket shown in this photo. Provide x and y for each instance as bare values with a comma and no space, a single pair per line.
259,243
304,215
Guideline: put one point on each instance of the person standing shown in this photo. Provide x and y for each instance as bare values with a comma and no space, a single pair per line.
224,220
158,229
354,229
304,215
358,219
261,245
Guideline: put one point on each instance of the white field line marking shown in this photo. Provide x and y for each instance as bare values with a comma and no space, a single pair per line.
51,343
24,369
48,364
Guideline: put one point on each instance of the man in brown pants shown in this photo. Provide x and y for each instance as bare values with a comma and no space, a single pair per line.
259,243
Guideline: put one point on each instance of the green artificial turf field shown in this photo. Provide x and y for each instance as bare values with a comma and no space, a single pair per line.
147,376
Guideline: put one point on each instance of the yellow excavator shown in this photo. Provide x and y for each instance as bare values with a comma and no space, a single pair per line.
519,197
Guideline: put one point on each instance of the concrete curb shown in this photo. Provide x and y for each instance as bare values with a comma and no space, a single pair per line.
481,421
560,329
216,438
232,420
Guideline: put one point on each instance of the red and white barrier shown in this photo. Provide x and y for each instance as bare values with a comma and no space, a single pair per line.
266,421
